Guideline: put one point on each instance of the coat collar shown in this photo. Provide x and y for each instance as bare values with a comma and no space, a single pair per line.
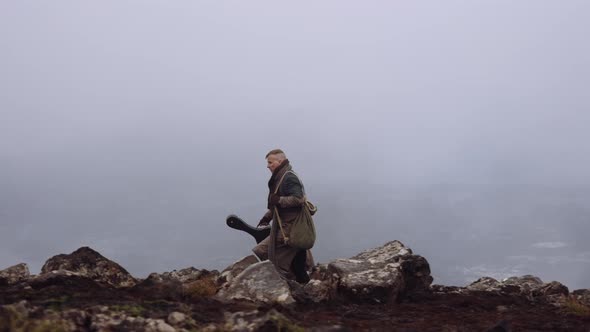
284,167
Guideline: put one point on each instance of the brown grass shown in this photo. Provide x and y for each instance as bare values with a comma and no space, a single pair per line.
205,287
574,306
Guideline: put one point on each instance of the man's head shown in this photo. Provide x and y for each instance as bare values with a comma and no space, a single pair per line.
274,158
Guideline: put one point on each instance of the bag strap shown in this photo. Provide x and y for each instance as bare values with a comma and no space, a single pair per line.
281,181
276,211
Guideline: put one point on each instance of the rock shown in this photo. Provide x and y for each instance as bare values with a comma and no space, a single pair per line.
502,308
176,318
485,284
236,268
320,287
210,328
527,282
154,287
533,288
441,289
528,286
177,285
77,317
67,281
158,325
89,263
357,280
317,291
256,321
582,295
183,276
15,274
21,308
22,316
381,274
258,283
101,319
553,289
104,322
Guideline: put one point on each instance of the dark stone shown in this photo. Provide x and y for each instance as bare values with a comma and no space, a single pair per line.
90,263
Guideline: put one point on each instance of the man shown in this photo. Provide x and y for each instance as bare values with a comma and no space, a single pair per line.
291,263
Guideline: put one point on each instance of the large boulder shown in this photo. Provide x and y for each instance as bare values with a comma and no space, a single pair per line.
485,284
176,285
67,279
319,289
260,283
183,276
381,275
89,263
236,268
527,286
526,283
15,274
582,295
553,289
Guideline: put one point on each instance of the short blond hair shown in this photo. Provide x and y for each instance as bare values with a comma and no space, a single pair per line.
276,152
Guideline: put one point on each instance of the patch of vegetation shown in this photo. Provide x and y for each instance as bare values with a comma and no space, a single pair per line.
185,309
57,304
285,325
131,309
45,326
14,321
574,306
205,287
159,304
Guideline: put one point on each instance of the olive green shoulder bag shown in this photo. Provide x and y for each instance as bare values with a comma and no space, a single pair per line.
302,234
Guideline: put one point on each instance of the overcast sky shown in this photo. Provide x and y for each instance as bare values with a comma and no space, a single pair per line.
460,128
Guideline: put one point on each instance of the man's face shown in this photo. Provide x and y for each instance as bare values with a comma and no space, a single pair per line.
272,162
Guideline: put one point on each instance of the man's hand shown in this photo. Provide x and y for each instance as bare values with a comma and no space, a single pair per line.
264,222
274,199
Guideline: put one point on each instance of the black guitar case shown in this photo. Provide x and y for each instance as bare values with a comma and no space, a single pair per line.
236,222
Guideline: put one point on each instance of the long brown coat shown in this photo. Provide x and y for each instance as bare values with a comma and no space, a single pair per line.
292,199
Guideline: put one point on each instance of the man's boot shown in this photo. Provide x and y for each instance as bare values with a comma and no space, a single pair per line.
298,267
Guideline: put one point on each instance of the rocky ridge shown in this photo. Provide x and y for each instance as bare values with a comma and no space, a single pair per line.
387,288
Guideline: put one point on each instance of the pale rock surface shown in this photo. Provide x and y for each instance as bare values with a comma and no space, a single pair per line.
381,274
183,276
258,283
236,268
485,284
176,318
528,286
582,295
255,320
15,274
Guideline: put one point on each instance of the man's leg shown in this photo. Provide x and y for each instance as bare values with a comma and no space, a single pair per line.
284,253
299,267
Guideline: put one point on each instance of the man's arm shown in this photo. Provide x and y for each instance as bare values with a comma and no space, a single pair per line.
265,221
293,190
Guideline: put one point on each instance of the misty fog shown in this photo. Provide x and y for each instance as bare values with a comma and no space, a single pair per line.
460,128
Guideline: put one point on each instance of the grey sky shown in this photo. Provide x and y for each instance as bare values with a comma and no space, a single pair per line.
458,127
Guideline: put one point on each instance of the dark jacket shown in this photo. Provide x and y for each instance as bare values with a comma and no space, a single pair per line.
292,195
291,190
